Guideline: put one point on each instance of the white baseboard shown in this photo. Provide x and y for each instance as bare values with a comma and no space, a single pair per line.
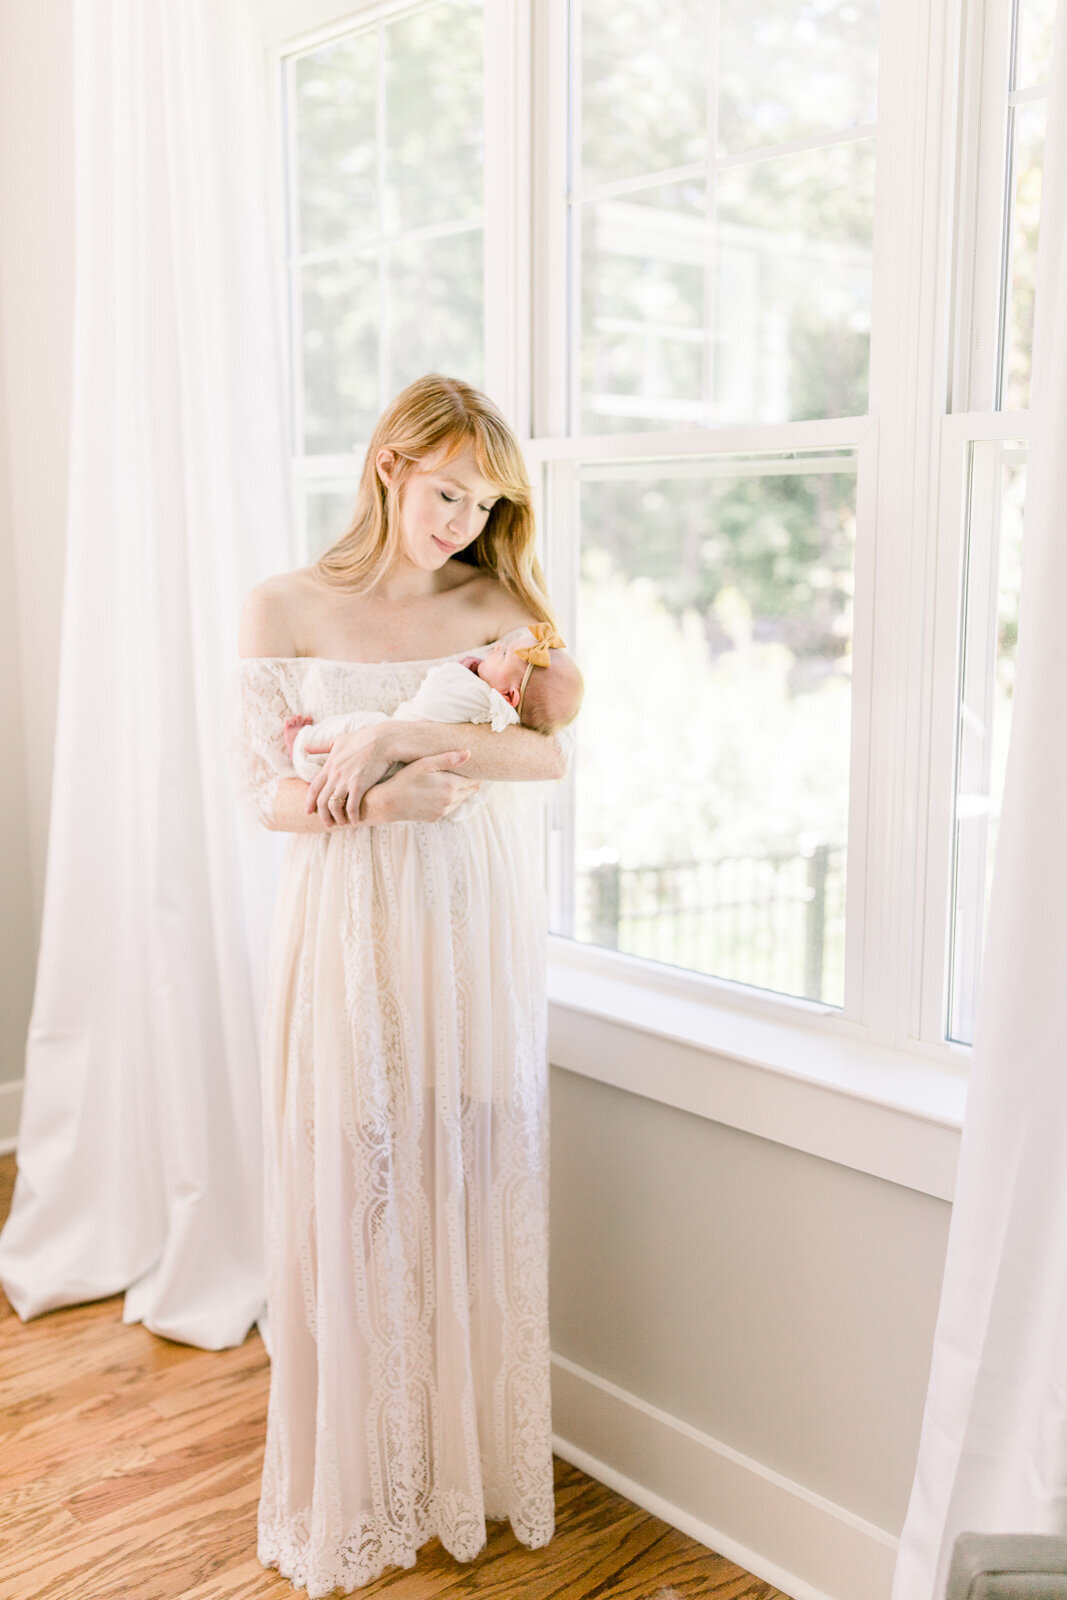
10,1111
805,1545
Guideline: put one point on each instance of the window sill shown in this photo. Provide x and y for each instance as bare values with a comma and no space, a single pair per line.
880,1111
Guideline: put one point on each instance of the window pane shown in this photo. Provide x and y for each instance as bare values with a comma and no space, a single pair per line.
789,69
1034,51
340,317
714,630
435,295
739,292
783,281
328,512
793,285
335,93
645,269
433,116
1029,150
387,126
990,637
644,86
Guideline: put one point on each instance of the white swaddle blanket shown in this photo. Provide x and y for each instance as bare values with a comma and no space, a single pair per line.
448,693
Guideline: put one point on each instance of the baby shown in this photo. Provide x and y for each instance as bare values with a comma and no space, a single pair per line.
518,681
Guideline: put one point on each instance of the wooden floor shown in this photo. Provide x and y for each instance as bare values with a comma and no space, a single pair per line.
130,1468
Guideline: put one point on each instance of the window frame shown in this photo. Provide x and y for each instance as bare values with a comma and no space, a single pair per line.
959,431
553,467
935,214
897,477
979,334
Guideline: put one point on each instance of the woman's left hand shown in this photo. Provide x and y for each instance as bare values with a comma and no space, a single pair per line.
356,761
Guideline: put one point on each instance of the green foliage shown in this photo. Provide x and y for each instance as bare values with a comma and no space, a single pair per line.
686,755
784,542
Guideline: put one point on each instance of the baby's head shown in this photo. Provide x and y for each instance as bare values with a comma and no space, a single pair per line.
553,694
546,697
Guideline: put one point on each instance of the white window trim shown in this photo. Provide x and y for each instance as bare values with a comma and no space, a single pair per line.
796,1083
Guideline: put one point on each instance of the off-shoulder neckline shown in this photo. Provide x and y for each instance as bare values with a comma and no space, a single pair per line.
334,661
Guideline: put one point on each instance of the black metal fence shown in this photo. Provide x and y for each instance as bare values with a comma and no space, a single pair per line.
774,920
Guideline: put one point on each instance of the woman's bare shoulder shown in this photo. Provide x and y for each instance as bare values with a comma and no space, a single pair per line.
268,616
502,607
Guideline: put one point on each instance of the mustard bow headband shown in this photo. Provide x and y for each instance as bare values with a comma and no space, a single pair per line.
537,654
547,639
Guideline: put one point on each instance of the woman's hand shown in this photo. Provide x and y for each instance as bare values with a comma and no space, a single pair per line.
354,762
423,791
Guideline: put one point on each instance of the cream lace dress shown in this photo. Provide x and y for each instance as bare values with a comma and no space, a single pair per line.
405,1117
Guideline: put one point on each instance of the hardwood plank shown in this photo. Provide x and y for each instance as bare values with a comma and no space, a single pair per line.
130,1467
53,1471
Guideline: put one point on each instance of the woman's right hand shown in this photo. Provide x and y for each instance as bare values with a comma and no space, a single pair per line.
423,791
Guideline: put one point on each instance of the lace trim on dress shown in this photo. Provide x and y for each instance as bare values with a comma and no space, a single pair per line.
260,695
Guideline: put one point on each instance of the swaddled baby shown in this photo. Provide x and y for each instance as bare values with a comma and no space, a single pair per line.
520,680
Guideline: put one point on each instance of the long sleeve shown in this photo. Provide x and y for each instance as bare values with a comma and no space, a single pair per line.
260,695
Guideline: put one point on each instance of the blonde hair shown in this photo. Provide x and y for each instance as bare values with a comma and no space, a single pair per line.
432,413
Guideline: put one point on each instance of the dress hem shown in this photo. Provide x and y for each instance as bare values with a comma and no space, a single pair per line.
277,1549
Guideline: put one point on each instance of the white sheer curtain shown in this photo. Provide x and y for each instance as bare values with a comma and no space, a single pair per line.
139,1151
993,1451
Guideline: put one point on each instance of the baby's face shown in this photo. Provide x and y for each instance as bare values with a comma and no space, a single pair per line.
502,668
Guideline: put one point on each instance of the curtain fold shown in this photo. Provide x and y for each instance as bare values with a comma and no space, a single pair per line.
993,1449
139,1164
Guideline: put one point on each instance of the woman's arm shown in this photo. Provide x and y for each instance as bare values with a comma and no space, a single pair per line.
513,755
289,815
424,791
358,761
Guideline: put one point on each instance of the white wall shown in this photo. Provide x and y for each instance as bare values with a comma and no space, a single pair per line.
17,926
741,1332
36,303
780,1305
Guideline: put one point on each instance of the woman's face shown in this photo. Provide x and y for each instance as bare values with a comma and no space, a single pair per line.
442,508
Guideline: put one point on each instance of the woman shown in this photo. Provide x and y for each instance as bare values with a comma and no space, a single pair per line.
405,1073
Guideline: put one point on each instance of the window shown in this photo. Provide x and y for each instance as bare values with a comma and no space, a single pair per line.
721,200
984,458
754,284
719,213
1030,63
715,619
995,488
385,239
